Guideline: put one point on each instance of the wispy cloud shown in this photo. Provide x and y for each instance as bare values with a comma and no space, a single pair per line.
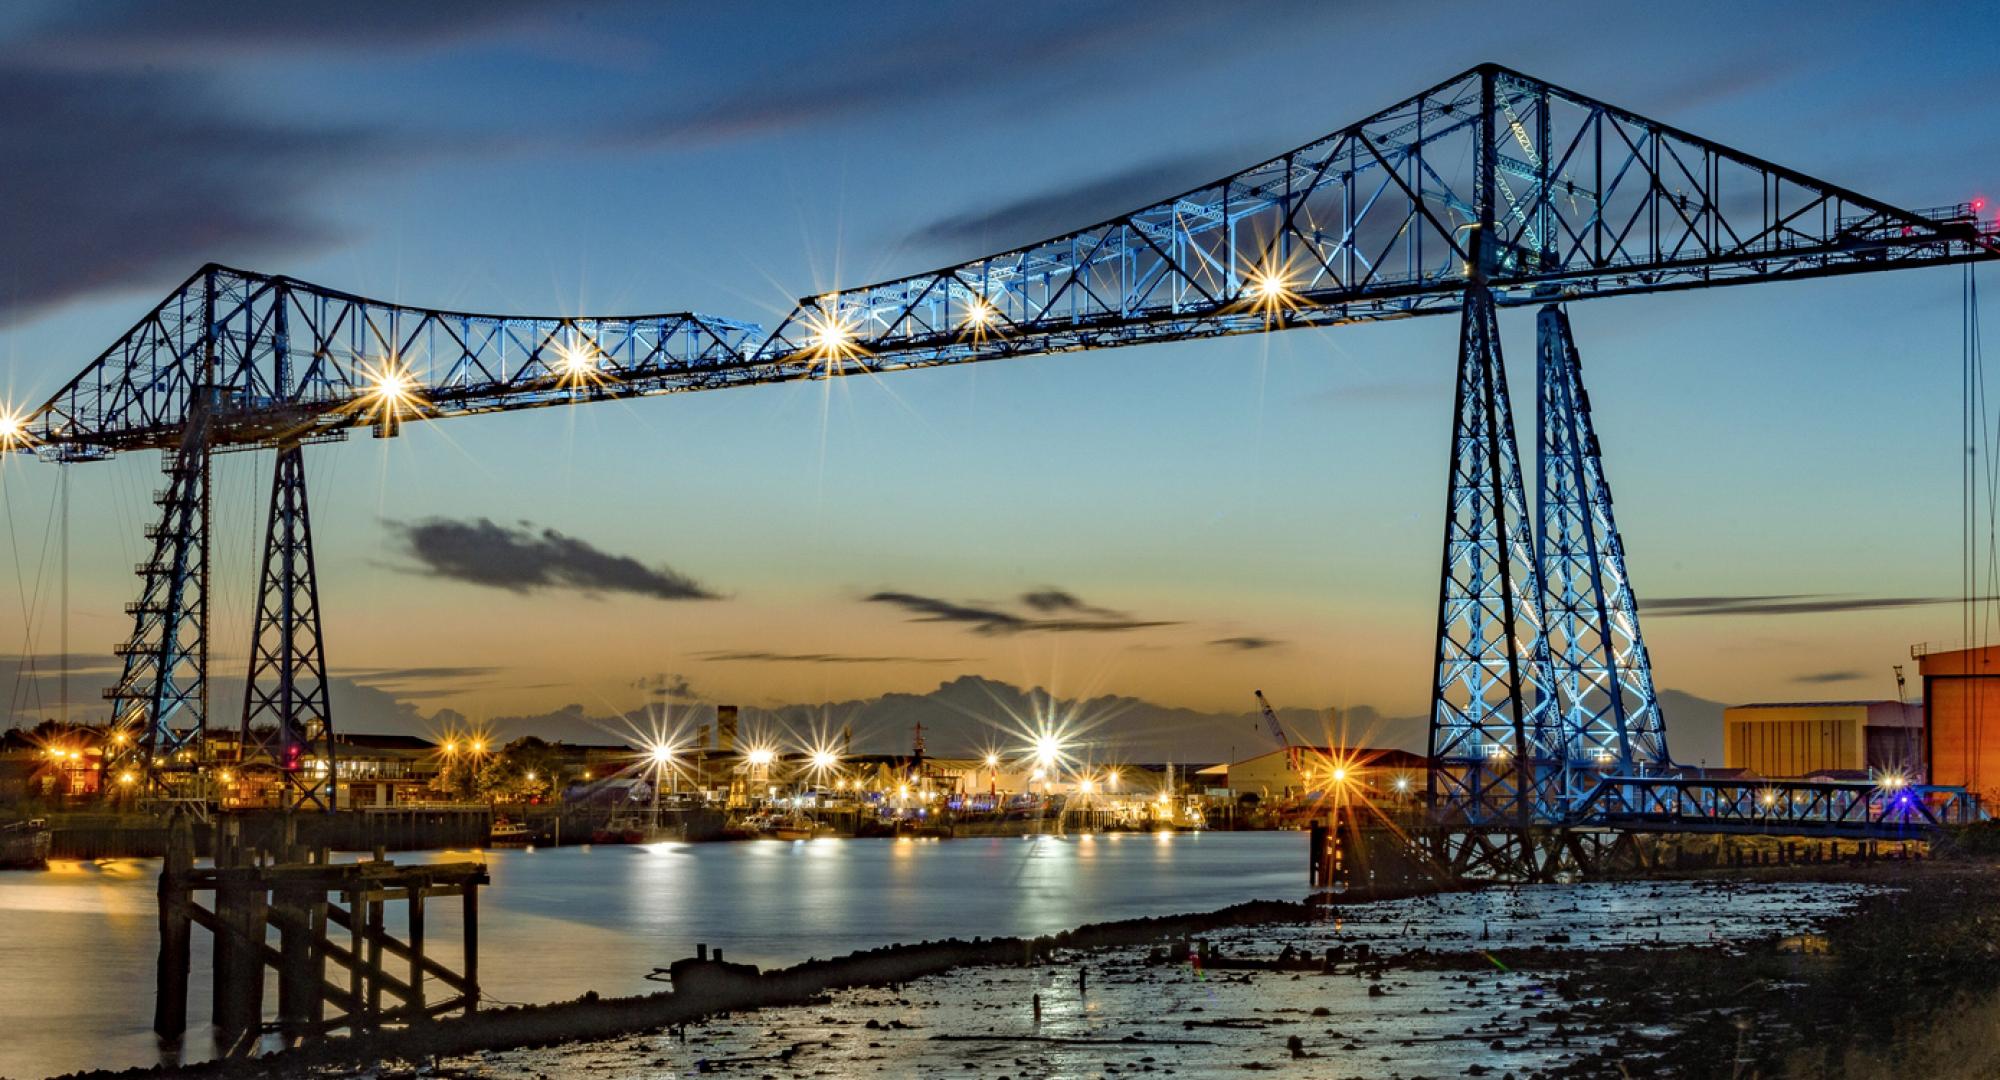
412,674
1073,205
934,58
988,619
669,687
759,657
128,158
1246,643
1050,599
527,559
1783,604
1820,677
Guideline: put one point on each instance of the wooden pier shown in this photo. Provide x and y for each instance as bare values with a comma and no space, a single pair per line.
328,918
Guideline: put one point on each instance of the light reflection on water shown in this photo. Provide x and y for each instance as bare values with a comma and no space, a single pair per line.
77,944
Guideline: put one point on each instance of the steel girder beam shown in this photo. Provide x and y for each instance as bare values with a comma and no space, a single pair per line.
1579,199
1495,737
1880,810
296,362
287,717
160,703
1572,198
1611,715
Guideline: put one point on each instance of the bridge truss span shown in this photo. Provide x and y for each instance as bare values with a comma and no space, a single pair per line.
1490,190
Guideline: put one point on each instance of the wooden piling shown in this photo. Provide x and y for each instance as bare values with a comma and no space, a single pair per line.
170,989
416,949
297,896
471,964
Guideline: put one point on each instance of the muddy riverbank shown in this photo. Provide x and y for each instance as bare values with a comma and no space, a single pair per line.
1644,978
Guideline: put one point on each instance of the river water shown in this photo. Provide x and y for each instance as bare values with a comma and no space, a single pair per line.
78,943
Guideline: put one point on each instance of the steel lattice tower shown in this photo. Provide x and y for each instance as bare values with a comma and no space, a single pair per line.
160,704
287,718
1494,735
1611,715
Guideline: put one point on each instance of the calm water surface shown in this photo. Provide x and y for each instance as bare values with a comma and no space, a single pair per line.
78,943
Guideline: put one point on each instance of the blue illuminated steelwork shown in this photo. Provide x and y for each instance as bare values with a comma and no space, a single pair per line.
294,361
1611,715
1491,189
1857,810
1495,744
1576,199
160,703
287,713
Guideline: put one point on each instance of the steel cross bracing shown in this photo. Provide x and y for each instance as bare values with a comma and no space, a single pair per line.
160,702
1374,221
1783,807
287,716
1489,190
1603,678
295,362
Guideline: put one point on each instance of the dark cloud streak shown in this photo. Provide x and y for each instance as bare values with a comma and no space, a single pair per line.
992,621
759,657
525,560
1246,643
1782,604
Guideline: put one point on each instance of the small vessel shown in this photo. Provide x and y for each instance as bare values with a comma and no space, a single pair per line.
634,828
509,832
25,845
796,827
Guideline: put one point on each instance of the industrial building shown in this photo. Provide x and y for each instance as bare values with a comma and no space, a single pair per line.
1296,771
1962,717
1834,739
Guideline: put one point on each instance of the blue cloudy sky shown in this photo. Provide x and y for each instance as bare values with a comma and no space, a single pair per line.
1270,508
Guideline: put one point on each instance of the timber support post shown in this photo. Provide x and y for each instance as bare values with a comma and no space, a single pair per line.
305,897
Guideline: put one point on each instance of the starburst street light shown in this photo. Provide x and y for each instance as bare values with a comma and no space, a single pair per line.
1269,290
14,432
391,393
830,335
577,363
979,314
662,754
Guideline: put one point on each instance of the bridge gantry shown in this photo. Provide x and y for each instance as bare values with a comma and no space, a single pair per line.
1490,190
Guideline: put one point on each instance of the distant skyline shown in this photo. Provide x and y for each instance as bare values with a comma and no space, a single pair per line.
1177,523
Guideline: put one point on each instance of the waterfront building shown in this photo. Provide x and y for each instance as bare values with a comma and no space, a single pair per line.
1831,739
1381,774
1961,717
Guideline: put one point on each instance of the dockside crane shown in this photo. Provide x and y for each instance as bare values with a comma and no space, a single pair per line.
1276,729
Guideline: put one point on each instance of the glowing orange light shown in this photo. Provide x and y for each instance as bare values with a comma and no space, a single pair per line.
392,393
13,430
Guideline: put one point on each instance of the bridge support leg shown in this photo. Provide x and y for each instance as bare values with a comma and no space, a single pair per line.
160,703
1611,718
1494,742
287,719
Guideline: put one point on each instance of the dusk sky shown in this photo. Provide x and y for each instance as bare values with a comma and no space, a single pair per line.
1260,512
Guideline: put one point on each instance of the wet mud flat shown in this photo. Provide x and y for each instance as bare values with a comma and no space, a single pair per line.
1470,983
1904,983
1860,971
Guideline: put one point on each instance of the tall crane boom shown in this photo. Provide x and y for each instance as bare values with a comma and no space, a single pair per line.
1271,724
